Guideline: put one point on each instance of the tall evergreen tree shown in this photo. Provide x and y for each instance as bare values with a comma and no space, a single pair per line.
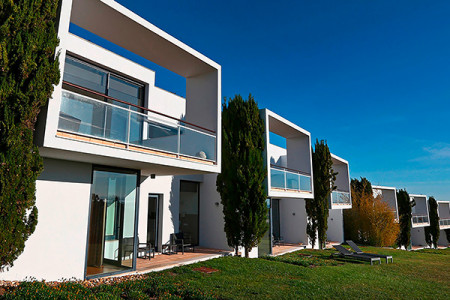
241,182
317,209
405,214
28,70
432,232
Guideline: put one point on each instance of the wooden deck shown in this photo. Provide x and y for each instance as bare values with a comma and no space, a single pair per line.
286,248
162,261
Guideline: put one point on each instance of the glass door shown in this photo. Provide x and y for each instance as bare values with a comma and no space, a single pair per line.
265,245
112,222
189,210
276,218
153,220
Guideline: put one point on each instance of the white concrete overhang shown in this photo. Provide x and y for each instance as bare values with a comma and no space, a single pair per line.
387,189
342,182
444,214
296,137
119,25
418,217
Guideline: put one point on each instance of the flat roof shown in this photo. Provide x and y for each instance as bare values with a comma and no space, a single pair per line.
282,126
119,25
339,159
379,187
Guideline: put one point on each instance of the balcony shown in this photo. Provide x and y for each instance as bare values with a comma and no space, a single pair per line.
289,179
340,198
128,127
444,222
420,219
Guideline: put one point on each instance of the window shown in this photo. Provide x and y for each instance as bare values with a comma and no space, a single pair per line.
98,81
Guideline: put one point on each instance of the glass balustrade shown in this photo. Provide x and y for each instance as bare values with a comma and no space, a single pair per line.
340,198
86,116
420,219
289,180
444,222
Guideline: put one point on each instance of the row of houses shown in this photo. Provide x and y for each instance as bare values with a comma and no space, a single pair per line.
126,162
420,214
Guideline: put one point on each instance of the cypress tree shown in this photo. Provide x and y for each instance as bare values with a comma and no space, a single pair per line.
432,232
317,209
28,70
241,182
405,214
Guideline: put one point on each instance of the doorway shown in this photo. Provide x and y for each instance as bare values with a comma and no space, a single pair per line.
276,219
153,220
189,210
112,222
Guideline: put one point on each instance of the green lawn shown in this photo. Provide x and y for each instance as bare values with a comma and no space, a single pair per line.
306,273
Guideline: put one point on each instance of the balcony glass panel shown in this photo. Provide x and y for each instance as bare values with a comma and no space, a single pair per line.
277,178
292,181
86,116
444,222
197,144
305,183
420,219
340,198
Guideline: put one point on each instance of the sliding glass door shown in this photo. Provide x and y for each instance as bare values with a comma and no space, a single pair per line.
189,210
112,222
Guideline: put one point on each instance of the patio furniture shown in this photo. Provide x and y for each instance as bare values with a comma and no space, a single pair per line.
362,257
359,251
169,248
146,249
278,240
182,240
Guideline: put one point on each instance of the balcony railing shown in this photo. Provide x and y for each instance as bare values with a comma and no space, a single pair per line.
85,116
288,179
420,219
340,198
444,222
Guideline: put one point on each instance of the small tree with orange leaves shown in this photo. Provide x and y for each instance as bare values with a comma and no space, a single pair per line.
370,220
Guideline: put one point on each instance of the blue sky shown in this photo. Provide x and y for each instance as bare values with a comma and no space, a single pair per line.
370,77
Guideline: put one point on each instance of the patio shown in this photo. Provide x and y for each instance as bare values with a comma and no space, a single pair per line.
162,261
285,248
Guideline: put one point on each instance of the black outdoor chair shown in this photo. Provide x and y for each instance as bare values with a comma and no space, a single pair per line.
182,240
146,249
359,251
278,240
362,257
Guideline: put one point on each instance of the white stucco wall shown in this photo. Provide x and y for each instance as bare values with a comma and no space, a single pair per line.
335,232
57,248
418,237
278,155
443,239
293,220
212,234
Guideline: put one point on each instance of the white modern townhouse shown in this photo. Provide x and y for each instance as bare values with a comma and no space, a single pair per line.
289,182
388,195
117,148
420,219
444,222
340,199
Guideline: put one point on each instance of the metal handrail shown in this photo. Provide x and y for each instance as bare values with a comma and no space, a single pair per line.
147,118
291,170
134,105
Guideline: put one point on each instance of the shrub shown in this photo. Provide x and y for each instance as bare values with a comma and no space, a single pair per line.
28,70
370,221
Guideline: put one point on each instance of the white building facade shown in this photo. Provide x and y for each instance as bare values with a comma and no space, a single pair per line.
117,149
